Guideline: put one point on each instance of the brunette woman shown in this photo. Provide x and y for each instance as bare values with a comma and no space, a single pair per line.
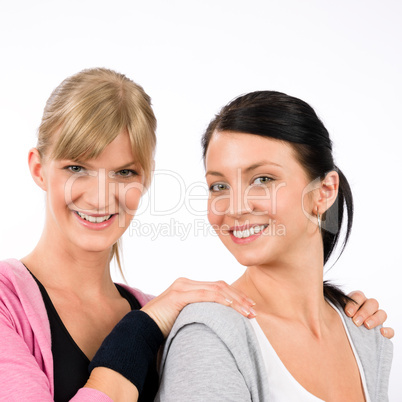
278,203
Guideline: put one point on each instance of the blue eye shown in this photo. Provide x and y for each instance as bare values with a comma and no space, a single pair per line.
262,180
218,187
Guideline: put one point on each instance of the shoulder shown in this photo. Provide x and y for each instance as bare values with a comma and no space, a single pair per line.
23,316
375,353
368,341
12,270
15,279
220,319
222,325
21,302
217,348
143,298
209,312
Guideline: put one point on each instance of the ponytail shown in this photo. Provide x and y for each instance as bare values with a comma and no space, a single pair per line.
330,234
333,218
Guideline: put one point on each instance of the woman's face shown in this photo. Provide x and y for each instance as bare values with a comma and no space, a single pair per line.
91,203
258,203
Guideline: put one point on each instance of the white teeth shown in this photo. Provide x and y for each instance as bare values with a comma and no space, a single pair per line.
241,234
94,219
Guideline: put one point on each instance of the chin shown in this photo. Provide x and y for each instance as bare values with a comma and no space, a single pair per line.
95,245
249,259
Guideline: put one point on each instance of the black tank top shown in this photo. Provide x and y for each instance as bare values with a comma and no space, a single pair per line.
70,364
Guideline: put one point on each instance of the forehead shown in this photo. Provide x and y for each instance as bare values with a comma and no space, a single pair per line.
118,150
231,149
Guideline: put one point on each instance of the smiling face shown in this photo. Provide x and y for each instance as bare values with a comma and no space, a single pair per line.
255,205
90,203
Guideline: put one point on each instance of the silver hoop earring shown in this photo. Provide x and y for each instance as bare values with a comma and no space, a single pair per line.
319,221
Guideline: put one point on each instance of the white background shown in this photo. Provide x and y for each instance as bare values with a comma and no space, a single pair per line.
192,57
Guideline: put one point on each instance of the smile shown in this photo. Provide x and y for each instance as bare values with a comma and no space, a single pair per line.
93,219
242,234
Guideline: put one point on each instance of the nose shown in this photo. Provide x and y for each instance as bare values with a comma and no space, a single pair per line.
239,203
95,193
234,203
101,192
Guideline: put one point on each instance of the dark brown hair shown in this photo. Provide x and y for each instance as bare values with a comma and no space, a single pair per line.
277,115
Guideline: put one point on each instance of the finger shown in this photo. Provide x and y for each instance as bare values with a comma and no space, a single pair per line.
183,284
369,308
239,297
359,298
203,295
376,319
387,332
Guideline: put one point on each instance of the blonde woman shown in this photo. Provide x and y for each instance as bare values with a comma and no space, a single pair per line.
278,202
60,312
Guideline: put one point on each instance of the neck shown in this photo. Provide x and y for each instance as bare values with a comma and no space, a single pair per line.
291,289
79,271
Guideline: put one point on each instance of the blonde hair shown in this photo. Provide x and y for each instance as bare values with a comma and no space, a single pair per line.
88,111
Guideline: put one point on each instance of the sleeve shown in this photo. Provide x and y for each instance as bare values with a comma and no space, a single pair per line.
200,367
20,374
21,377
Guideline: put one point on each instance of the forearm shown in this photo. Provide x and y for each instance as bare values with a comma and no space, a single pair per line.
121,364
112,384
128,354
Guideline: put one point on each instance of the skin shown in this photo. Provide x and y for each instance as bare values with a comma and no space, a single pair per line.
256,181
72,260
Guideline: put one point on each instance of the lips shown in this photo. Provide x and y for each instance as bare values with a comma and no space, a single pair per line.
93,219
246,234
241,234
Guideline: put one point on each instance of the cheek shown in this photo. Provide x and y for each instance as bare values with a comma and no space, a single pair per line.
129,197
288,209
74,188
213,218
217,208
56,192
258,200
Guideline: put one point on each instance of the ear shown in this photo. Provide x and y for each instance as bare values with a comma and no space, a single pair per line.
328,192
37,169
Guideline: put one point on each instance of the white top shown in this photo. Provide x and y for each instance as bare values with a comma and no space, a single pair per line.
282,385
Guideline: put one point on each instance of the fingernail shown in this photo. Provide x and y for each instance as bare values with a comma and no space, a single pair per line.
252,311
369,324
384,331
358,320
349,313
252,302
229,301
245,311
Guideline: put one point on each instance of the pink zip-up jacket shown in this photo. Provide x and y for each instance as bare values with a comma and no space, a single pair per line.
26,361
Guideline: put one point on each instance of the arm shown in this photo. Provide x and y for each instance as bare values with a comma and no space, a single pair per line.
21,375
22,371
131,355
200,367
366,311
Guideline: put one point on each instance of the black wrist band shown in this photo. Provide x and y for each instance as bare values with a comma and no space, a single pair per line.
131,347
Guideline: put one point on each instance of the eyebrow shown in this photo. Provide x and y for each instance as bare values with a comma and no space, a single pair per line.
125,166
133,163
245,170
